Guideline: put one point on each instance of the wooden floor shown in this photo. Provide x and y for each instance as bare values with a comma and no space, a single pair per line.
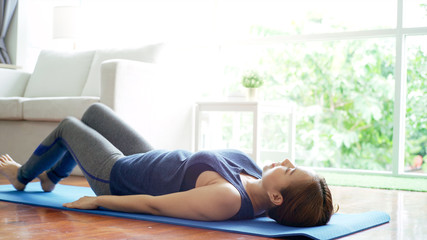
408,211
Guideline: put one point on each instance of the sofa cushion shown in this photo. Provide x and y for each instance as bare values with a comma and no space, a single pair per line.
148,53
59,74
11,108
13,82
56,108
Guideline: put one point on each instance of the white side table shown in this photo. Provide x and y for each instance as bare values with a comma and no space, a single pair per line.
256,108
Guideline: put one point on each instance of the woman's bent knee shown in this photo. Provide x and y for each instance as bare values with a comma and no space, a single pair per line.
93,110
69,121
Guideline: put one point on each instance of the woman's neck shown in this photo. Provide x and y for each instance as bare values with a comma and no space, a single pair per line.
259,197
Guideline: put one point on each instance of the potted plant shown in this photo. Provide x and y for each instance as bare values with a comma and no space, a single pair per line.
252,80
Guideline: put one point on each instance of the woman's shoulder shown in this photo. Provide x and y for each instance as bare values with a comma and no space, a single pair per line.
226,194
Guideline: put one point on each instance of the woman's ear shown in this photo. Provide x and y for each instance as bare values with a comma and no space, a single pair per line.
275,197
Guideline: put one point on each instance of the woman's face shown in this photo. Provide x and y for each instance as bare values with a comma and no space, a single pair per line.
278,176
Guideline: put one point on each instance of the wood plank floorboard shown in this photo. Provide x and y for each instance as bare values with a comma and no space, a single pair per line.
17,221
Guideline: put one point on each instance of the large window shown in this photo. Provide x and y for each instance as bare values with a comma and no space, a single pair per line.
346,65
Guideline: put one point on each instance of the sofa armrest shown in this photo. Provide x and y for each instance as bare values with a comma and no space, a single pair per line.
125,86
13,82
123,81
156,100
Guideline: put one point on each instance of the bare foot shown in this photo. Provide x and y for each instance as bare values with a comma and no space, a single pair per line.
47,184
9,169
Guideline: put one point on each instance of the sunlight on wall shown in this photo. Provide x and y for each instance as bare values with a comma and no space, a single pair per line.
114,24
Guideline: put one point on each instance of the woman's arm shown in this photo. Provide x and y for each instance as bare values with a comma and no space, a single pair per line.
117,203
209,203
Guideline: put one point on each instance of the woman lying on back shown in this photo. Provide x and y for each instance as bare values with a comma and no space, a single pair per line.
128,175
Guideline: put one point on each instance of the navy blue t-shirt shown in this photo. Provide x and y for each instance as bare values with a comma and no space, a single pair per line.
160,172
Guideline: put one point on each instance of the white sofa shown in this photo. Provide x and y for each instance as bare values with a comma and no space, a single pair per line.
65,84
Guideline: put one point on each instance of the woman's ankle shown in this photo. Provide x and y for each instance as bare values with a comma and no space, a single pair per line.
46,183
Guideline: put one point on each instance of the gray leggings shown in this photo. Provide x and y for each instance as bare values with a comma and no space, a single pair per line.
95,143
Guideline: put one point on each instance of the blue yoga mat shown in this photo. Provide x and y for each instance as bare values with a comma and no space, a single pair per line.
339,225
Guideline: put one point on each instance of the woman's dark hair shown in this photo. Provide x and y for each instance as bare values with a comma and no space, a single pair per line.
305,204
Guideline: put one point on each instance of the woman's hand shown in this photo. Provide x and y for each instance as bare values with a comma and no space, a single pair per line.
83,203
